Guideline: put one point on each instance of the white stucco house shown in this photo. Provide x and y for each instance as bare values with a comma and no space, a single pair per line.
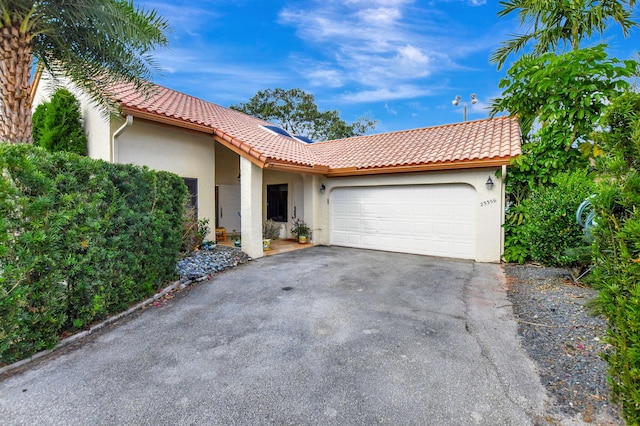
432,191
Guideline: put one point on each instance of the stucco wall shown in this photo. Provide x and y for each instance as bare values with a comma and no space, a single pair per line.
185,153
489,203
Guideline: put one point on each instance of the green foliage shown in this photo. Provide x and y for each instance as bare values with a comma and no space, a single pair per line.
568,92
555,24
57,125
296,112
516,248
559,100
299,227
79,240
550,231
616,249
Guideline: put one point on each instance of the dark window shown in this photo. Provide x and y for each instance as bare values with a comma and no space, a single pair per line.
192,188
277,197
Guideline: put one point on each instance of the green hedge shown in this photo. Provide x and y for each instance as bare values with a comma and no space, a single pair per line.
79,240
616,248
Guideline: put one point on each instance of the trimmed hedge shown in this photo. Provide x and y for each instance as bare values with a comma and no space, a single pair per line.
80,239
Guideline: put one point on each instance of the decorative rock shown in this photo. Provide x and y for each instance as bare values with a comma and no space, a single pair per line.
201,264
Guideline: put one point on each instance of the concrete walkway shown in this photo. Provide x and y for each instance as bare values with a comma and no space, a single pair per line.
320,336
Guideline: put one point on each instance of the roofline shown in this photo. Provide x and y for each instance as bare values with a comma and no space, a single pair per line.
354,171
439,126
245,150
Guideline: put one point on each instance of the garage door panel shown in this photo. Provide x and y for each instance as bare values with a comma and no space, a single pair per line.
436,220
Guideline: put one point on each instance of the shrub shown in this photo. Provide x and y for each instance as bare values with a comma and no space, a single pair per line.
616,249
57,125
550,231
79,240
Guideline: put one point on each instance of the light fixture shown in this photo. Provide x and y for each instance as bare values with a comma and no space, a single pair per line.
322,188
456,102
489,183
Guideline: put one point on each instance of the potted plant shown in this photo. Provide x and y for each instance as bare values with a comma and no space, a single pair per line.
270,231
300,229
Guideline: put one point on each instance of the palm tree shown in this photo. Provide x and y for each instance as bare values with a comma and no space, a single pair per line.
93,43
555,24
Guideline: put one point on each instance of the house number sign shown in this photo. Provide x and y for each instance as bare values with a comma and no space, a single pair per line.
488,202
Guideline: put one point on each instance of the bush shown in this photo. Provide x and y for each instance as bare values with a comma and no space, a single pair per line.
79,240
550,231
616,249
57,125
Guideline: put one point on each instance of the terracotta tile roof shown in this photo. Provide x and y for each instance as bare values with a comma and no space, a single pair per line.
226,123
468,142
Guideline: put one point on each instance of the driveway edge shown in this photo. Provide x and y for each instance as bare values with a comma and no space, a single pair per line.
494,327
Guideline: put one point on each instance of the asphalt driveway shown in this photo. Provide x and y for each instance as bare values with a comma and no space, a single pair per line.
319,336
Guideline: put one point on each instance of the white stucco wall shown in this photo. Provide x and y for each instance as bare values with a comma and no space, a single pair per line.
489,203
185,153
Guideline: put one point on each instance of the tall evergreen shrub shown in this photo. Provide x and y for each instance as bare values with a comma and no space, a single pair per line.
57,124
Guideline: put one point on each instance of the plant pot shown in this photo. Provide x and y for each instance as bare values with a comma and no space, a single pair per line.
266,244
237,243
302,239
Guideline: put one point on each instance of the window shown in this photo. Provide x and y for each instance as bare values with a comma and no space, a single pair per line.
277,200
192,188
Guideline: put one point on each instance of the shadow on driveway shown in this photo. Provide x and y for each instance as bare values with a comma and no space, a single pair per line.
320,336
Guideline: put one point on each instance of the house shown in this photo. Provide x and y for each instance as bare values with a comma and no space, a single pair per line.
435,191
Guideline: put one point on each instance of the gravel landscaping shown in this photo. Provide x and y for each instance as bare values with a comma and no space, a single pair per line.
565,340
205,263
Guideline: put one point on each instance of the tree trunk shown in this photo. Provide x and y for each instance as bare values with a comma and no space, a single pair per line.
15,75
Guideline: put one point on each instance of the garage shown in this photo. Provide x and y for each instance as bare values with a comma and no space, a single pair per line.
435,220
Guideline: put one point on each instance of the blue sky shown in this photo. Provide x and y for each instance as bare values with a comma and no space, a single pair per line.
400,62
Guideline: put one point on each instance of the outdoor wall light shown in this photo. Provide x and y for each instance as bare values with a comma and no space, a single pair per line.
322,188
489,183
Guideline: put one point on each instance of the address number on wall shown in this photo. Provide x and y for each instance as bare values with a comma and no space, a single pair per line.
488,202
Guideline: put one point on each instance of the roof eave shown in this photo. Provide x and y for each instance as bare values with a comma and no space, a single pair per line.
297,168
430,167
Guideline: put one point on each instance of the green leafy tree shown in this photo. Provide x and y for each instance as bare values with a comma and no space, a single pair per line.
94,43
559,100
57,125
561,24
296,112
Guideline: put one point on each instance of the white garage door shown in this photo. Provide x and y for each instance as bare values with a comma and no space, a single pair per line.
436,220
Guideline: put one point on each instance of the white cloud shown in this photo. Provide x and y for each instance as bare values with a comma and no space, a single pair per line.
380,16
380,45
386,94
